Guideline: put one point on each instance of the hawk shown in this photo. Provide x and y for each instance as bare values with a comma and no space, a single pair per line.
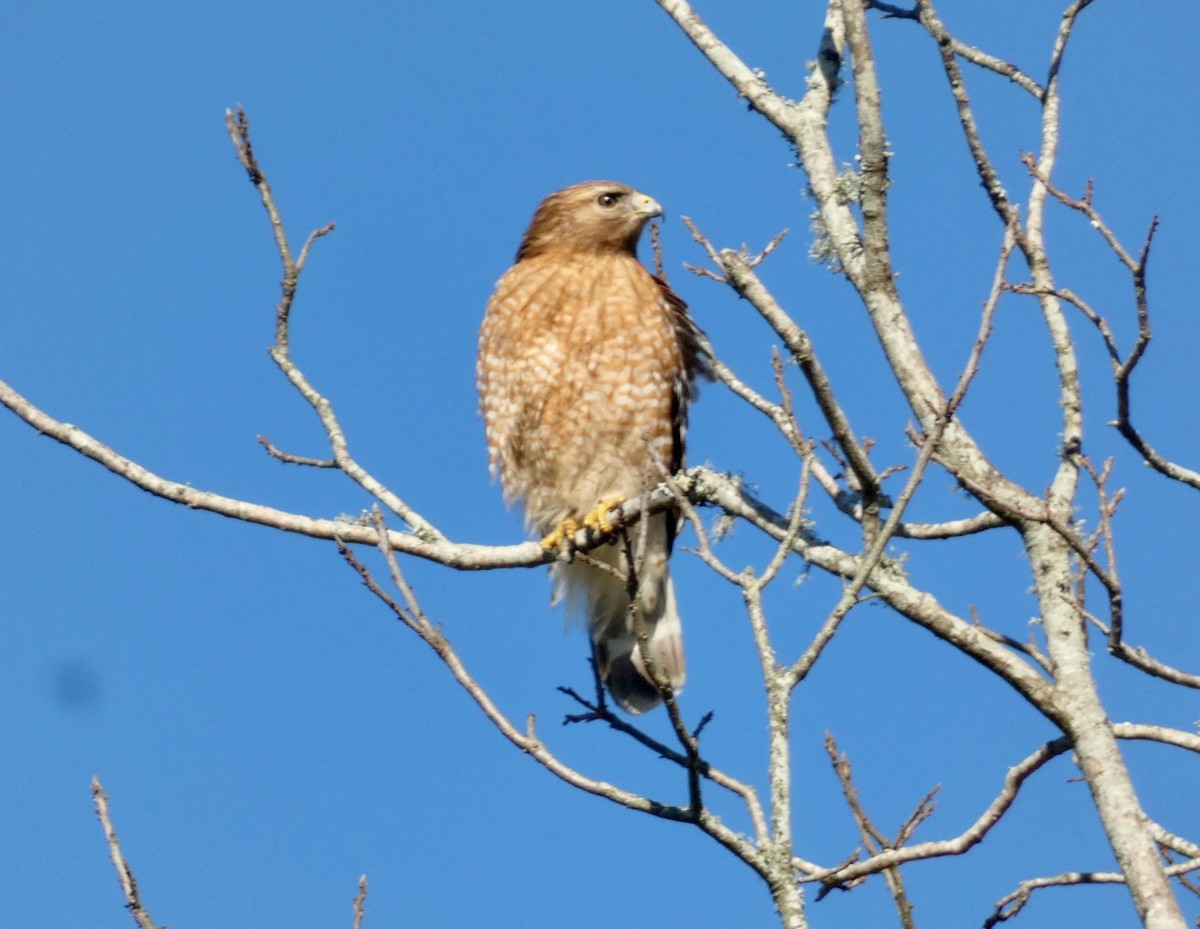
586,367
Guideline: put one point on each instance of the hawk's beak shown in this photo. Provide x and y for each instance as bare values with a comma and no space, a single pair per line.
646,206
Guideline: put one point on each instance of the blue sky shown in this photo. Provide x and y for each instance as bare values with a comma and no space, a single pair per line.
265,731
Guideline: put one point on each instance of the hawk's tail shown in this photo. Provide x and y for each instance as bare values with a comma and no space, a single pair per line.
622,667
604,599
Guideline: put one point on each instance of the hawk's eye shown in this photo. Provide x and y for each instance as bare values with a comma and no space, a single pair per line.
608,199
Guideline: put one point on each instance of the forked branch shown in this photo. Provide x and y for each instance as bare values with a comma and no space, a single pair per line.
238,125
409,611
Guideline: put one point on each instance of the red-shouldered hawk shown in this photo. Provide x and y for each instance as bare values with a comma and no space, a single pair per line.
586,368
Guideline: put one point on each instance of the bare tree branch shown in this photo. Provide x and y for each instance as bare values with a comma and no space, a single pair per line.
599,712
967,52
1168,736
873,840
129,887
360,902
288,458
465,556
1123,367
740,275
1011,904
238,126
889,858
408,610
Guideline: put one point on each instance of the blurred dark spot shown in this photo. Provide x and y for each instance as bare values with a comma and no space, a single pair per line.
76,686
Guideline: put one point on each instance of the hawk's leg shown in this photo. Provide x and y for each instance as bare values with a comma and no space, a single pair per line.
562,535
596,522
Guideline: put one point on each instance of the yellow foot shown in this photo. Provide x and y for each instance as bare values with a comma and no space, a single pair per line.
597,520
562,535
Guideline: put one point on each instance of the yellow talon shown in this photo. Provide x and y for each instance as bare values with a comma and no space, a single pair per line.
597,520
562,534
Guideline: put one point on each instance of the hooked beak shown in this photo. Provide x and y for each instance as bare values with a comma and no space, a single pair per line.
646,206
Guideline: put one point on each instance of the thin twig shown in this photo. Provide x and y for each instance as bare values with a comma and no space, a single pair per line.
1189,741
599,712
288,458
238,126
738,271
1137,656
1011,904
795,524
360,902
996,192
873,840
1107,508
967,52
1083,205
1028,648
656,247
845,873
780,414
768,248
129,887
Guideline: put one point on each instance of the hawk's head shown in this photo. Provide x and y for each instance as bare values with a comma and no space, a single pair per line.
594,216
